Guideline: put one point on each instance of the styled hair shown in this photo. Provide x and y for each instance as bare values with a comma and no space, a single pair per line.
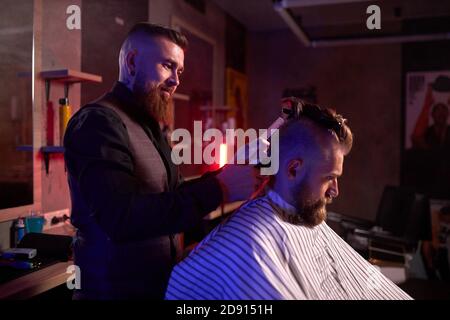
156,30
328,119
303,131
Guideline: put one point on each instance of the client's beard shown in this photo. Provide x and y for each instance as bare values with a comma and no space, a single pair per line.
309,212
149,98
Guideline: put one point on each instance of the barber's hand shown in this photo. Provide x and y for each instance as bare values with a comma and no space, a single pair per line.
238,182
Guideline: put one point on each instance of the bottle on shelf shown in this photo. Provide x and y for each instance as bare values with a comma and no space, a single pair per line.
64,116
50,123
18,229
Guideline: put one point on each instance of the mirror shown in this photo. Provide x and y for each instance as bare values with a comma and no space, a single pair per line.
16,121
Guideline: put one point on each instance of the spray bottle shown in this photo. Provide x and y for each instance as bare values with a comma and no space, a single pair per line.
19,230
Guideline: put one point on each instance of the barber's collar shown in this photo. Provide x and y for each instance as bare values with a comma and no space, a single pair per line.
276,199
125,96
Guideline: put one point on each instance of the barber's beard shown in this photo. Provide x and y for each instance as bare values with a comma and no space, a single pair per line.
310,212
153,102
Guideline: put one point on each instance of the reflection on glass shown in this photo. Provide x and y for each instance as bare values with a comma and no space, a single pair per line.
16,130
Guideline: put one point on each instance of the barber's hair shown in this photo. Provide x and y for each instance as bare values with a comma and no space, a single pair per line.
156,30
323,118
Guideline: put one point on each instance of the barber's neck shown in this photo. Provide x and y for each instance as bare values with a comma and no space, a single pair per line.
126,80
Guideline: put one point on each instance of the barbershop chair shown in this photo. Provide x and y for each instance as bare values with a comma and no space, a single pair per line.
438,251
402,222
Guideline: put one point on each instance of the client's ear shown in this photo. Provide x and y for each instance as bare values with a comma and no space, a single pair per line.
294,168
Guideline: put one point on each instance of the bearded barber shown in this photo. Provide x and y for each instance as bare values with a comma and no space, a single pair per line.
127,201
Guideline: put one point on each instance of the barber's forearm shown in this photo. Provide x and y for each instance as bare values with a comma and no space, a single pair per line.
125,215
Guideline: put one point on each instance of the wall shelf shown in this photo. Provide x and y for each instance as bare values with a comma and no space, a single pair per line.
67,77
70,76
52,149
46,151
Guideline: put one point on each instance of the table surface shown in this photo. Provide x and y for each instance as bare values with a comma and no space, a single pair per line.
36,282
41,280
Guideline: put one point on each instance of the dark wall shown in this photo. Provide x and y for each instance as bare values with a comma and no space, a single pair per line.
364,83
235,44
105,24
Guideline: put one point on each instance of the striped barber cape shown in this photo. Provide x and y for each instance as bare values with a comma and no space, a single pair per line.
256,255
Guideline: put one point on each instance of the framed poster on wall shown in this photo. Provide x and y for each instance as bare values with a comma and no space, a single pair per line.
237,96
427,97
426,162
